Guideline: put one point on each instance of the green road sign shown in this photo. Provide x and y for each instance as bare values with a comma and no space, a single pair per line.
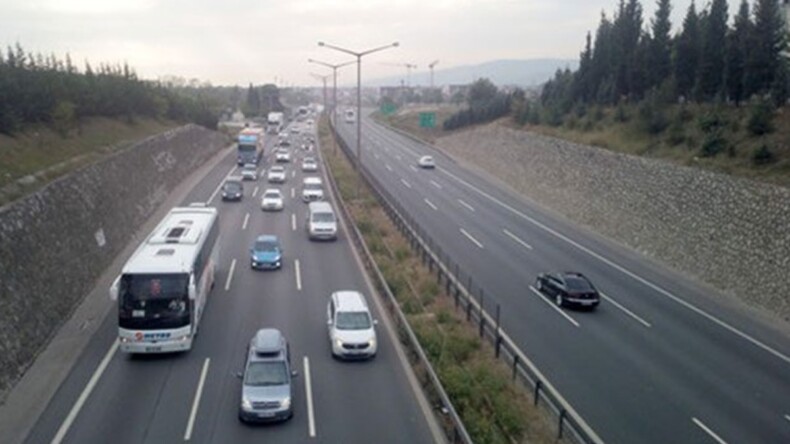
388,108
427,120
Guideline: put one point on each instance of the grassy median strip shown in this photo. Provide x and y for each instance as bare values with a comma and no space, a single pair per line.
493,409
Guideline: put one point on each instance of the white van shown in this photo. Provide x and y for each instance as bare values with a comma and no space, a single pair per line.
352,330
312,189
321,221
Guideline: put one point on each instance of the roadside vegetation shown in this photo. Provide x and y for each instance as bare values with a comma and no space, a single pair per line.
494,409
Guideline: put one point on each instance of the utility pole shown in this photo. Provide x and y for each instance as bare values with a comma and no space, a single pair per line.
430,66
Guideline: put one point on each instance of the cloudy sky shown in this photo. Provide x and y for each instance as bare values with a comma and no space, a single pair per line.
242,41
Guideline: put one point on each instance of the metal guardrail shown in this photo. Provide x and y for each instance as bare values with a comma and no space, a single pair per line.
454,427
471,298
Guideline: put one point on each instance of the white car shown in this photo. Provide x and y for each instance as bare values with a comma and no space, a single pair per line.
426,162
272,200
312,189
309,164
249,172
276,174
282,155
352,331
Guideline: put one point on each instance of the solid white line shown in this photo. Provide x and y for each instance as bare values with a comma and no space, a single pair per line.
196,401
75,410
787,417
388,167
436,184
430,204
708,431
413,168
293,193
469,207
469,236
625,310
627,272
517,239
293,173
216,190
407,184
298,275
230,274
554,306
308,388
246,219
255,191
293,221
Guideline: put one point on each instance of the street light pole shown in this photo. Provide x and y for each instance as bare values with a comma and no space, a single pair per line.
334,84
359,56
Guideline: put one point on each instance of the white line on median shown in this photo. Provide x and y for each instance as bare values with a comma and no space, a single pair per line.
293,221
255,191
407,184
388,167
625,271
230,274
75,410
308,388
413,168
216,190
430,204
625,310
554,306
708,431
469,207
246,219
517,239
436,184
298,275
196,401
469,236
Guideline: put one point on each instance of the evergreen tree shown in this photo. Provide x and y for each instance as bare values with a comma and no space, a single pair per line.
660,58
710,78
253,101
764,66
601,72
687,52
738,43
582,85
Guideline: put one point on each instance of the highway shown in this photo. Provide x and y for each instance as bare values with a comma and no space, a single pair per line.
194,396
663,359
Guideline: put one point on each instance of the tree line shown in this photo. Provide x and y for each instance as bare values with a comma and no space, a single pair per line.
44,89
708,61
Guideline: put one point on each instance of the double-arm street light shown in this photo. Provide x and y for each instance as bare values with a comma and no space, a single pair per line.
323,79
359,56
334,82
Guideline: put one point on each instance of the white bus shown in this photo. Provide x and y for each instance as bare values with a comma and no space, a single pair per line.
163,287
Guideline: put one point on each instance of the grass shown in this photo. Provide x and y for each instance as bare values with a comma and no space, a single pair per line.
409,120
39,155
493,409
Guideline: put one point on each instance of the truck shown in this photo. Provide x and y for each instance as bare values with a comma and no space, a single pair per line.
250,146
274,122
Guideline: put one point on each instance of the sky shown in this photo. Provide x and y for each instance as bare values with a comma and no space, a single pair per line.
228,42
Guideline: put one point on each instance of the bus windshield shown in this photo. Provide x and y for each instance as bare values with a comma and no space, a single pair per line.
247,148
153,301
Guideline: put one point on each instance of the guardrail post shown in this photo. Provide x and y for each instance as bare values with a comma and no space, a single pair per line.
538,384
562,421
457,293
515,366
482,318
468,309
498,342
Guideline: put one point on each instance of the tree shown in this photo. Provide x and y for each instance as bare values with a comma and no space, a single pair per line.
710,79
582,85
764,65
253,101
738,43
481,93
660,54
687,52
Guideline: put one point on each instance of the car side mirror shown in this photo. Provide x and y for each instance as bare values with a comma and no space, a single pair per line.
239,375
294,373
114,288
328,322
375,322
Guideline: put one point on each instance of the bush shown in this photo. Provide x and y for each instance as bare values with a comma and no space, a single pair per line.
713,144
763,156
761,119
711,121
652,117
621,114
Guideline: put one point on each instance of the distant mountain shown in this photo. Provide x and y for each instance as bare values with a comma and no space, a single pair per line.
528,72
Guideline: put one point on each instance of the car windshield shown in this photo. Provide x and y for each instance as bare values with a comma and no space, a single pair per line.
265,246
352,320
277,170
312,186
271,195
323,217
232,186
577,284
263,373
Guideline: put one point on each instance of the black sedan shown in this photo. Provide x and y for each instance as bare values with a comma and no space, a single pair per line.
568,289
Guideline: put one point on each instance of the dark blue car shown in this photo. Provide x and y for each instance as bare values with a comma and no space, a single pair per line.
266,253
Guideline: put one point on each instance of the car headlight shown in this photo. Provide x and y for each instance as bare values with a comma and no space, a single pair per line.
246,404
286,403
339,343
372,342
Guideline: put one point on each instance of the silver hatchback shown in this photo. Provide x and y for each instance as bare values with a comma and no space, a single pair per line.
266,387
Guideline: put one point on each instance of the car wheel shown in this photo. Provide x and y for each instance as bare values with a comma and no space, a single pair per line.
558,300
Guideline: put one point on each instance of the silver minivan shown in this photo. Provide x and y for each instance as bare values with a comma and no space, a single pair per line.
266,388
321,221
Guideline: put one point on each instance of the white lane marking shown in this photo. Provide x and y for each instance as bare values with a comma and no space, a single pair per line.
708,431
293,173
469,236
255,191
230,274
627,272
308,388
436,184
469,207
196,401
293,221
397,156
216,190
407,184
376,155
787,417
517,239
246,219
298,275
413,168
293,193
554,306
388,167
430,204
625,310
75,410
